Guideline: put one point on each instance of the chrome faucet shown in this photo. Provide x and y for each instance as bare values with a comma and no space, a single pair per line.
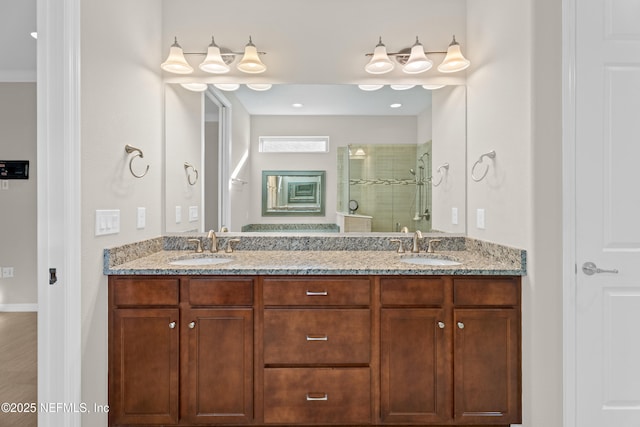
432,245
417,236
213,241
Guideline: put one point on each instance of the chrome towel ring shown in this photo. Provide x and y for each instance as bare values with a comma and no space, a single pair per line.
492,155
188,166
130,149
444,166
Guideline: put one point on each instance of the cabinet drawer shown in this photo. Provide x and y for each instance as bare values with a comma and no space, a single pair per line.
412,291
220,291
317,336
316,292
147,291
317,395
486,291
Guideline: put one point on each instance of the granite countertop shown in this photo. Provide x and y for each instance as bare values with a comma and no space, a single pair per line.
154,257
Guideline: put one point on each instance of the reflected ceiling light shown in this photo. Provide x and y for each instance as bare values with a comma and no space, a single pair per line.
176,63
259,86
380,62
214,63
370,87
433,87
396,105
454,61
418,61
297,105
34,34
250,62
414,60
195,87
401,87
229,87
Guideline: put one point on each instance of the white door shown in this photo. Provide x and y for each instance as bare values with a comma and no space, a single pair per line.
607,146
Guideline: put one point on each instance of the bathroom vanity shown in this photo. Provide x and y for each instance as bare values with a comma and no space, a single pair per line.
326,341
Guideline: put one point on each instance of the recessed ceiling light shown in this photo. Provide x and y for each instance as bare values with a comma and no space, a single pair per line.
297,105
397,105
34,35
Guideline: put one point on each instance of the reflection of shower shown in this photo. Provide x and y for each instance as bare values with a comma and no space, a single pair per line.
422,211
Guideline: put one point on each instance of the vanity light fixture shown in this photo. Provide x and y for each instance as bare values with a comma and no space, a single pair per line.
195,87
260,87
454,61
217,59
229,87
401,87
414,60
380,62
370,88
176,62
433,87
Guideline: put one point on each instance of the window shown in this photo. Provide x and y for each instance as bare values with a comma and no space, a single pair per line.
294,144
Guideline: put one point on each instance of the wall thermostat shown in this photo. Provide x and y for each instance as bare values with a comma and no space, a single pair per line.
14,169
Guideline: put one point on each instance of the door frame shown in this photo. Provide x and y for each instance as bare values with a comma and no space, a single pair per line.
569,263
59,211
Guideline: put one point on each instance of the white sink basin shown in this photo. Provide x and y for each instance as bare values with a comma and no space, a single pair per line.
200,261
425,260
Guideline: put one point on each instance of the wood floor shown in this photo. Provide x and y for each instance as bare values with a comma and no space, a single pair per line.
18,366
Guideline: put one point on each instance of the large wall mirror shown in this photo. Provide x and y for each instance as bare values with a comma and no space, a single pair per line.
293,193
403,166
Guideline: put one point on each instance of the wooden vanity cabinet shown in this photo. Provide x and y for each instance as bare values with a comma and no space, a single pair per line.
143,351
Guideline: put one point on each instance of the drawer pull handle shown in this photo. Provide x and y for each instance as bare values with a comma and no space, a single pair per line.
317,338
320,396
317,294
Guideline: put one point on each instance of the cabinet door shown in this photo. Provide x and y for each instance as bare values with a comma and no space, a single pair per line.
144,370
487,366
416,366
219,365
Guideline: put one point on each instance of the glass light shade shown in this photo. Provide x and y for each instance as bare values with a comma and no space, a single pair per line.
433,87
214,63
401,87
176,63
250,62
380,62
454,61
229,87
370,88
418,61
259,86
194,87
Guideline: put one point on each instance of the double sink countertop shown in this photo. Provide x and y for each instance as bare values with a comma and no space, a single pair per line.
314,254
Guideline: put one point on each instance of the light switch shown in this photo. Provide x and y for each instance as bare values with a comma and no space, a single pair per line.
107,222
454,216
178,214
480,219
5,184
141,219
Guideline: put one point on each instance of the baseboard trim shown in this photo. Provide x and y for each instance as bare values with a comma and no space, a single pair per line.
18,307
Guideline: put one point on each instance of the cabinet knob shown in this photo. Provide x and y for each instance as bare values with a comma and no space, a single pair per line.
192,325
460,325
441,325
172,325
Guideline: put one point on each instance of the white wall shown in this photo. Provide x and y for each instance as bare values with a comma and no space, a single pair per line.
18,202
122,103
184,135
449,147
514,108
342,131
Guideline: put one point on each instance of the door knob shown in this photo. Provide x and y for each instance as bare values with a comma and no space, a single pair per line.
589,268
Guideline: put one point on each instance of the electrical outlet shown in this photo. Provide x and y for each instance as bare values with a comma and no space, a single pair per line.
7,272
141,218
454,216
178,214
193,213
5,184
